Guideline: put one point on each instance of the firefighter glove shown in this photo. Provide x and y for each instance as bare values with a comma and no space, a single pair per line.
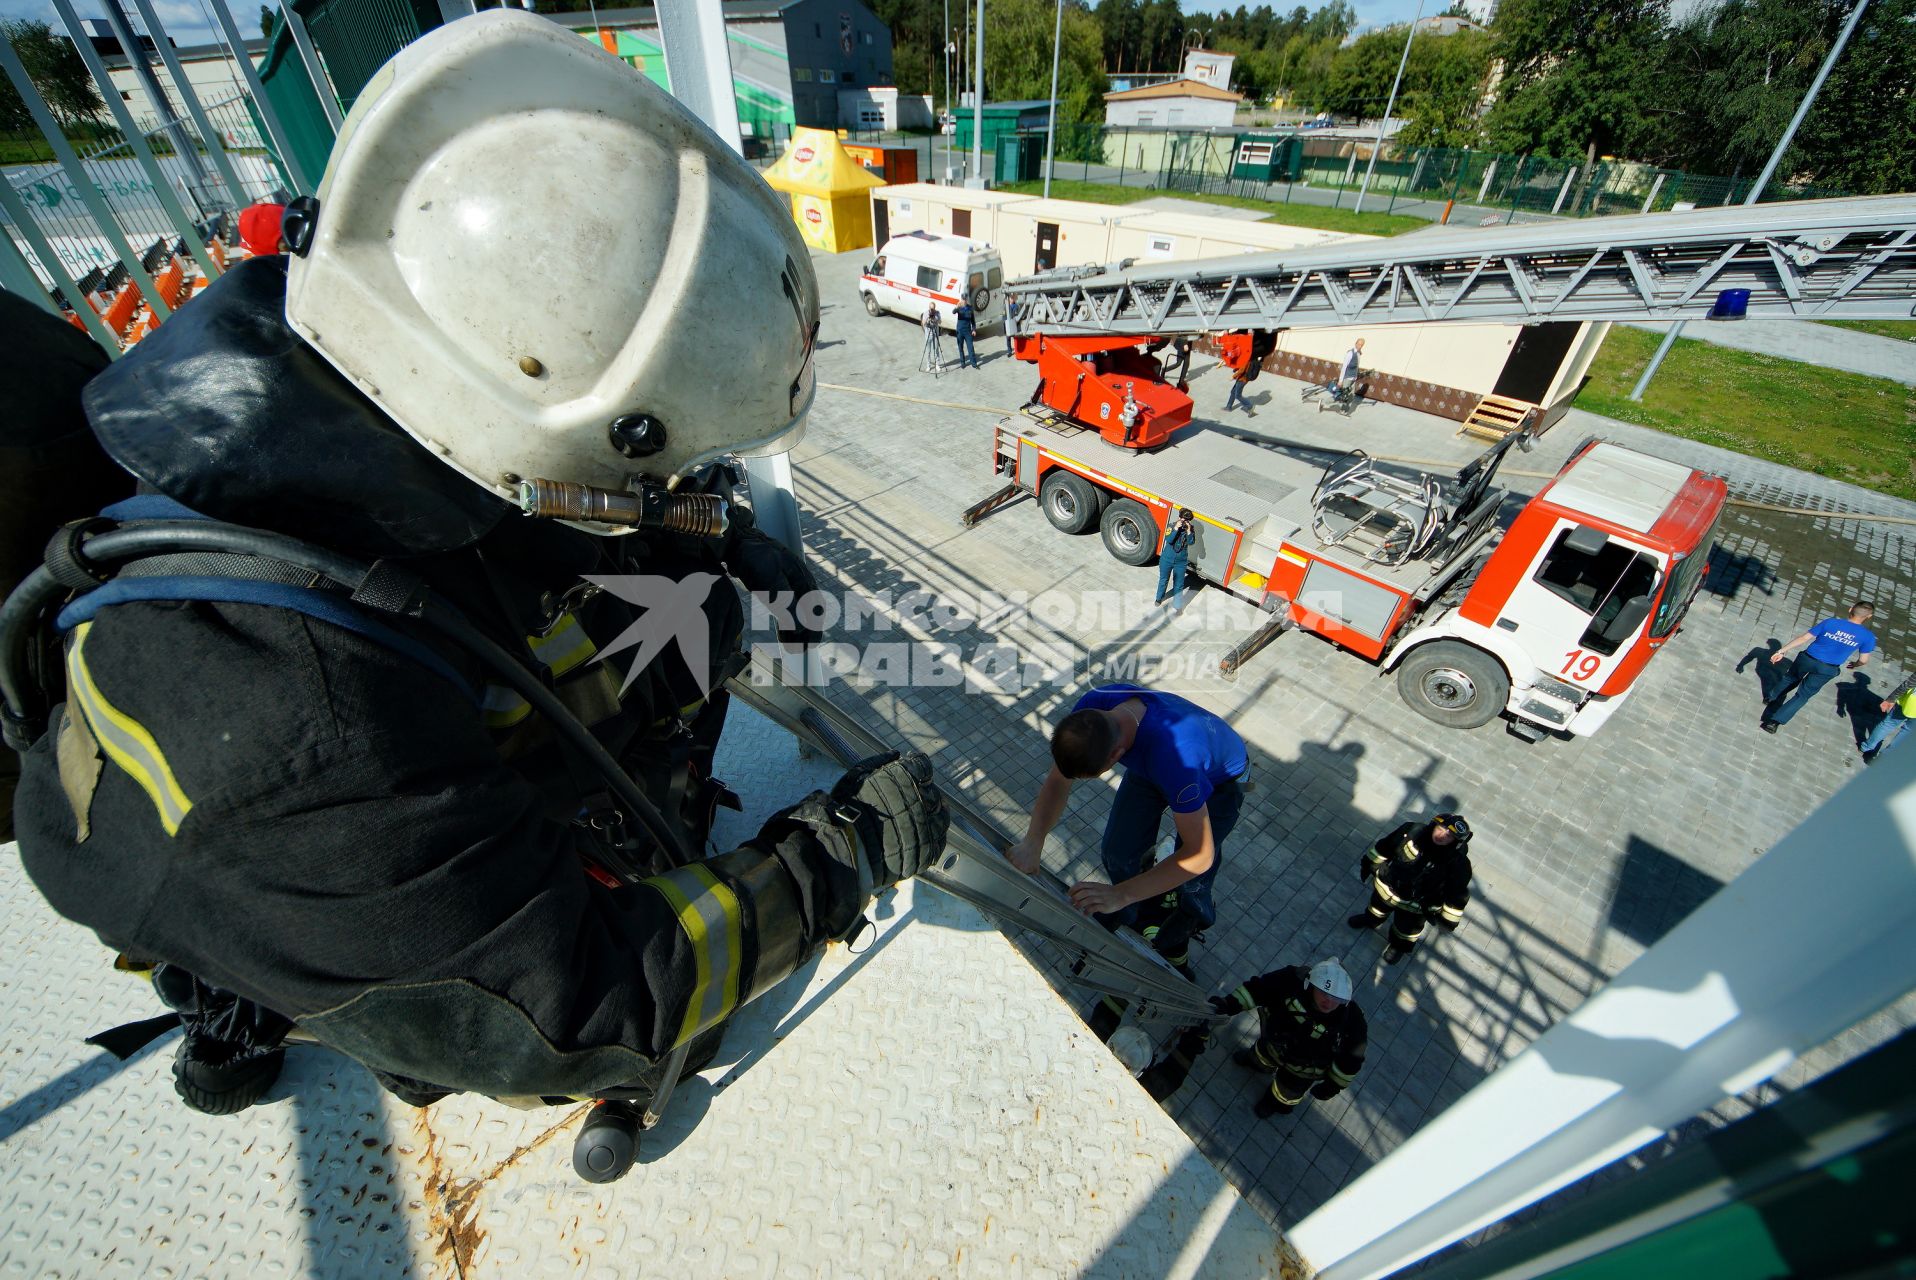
1225,1006
1365,868
1326,1090
769,569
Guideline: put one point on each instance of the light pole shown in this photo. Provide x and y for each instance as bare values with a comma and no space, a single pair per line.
1051,122
951,47
978,101
1762,179
1385,124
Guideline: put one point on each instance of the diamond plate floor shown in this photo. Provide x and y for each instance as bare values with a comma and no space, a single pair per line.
927,1107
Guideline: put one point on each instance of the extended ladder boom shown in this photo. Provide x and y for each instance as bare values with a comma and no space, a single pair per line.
1812,259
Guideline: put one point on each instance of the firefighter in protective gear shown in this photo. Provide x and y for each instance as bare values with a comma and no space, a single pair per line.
1311,1037
526,262
1418,872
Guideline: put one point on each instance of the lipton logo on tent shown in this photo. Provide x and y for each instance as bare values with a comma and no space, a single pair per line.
803,155
813,215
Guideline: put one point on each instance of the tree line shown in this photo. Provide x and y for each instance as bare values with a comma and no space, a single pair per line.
1707,92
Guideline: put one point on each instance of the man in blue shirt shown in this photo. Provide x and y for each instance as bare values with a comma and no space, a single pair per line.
1175,755
1832,642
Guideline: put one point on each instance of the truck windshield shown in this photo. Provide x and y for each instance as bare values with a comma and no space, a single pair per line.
1685,578
1612,583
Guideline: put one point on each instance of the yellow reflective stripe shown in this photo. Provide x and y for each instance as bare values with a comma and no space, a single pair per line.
1384,892
504,707
125,740
1340,1076
1453,914
564,647
708,912
1243,996
1288,1099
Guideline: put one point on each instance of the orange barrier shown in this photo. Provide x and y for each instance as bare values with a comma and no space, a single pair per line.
119,312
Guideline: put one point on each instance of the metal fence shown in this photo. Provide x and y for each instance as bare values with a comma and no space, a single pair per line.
51,200
1284,167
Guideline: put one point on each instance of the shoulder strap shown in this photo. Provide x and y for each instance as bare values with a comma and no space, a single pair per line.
227,578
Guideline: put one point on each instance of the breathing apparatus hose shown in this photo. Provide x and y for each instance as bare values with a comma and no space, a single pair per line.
26,713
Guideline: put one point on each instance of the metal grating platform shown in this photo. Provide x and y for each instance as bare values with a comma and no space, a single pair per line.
928,1107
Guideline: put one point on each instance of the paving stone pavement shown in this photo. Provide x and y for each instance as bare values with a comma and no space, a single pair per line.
1586,851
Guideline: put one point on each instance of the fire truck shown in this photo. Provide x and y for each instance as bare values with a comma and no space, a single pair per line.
1549,621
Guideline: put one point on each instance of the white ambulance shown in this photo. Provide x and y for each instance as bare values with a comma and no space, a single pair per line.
919,269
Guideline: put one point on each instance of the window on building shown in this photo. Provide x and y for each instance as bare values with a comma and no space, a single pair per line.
1176,116
802,75
1147,117
871,118
1254,153
928,278
961,222
827,76
864,37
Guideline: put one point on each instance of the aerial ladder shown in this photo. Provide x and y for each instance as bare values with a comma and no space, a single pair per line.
1546,619
1849,259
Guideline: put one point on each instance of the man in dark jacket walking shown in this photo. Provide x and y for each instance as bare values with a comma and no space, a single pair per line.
1417,873
966,321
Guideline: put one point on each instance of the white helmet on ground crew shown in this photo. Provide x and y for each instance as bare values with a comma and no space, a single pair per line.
542,266
1329,977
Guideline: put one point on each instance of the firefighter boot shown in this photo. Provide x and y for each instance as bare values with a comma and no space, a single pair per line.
1397,951
219,1078
1364,920
1267,1106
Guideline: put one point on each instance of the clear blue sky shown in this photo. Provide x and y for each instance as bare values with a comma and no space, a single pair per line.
1370,13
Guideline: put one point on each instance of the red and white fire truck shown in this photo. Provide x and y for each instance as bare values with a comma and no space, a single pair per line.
1549,621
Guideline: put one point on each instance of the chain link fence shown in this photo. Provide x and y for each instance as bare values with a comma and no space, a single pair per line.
1283,167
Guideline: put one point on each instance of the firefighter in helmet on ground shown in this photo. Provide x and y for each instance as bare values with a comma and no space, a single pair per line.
532,281
1418,872
1311,1037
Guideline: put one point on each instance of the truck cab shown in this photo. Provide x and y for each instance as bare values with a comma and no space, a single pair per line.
1591,579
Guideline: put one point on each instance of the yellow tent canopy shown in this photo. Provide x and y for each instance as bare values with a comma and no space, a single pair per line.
829,191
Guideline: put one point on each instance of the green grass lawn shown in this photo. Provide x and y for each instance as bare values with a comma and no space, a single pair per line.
1826,421
1904,329
1316,216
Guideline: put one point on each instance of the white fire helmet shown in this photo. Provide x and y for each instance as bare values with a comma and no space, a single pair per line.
543,267
1329,977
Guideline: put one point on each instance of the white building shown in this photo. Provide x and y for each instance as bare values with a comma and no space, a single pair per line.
1206,67
1176,104
883,107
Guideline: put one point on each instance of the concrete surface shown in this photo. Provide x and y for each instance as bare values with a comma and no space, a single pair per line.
1587,850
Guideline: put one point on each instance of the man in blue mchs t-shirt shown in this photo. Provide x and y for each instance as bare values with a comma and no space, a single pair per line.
1176,755
1832,642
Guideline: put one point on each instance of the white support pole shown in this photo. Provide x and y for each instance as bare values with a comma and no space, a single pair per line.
315,69
978,101
295,172
76,173
209,136
184,223
1763,179
1815,936
1652,197
1564,190
1391,102
696,59
700,66
1051,120
1483,188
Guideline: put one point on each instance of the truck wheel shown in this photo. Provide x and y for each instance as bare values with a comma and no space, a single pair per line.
1455,684
1130,534
1070,502
871,305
